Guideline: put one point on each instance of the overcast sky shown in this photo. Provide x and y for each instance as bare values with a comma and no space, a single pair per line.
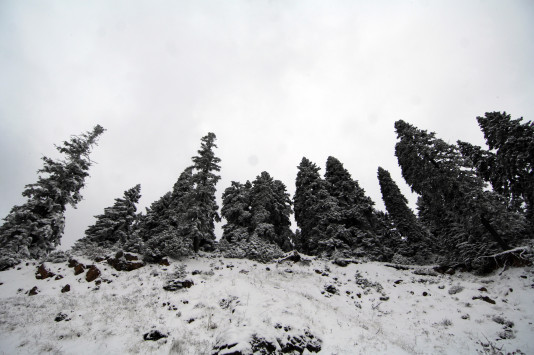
274,80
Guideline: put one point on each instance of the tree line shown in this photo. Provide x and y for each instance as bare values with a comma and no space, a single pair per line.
473,202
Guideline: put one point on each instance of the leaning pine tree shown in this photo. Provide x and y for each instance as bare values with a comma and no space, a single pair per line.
115,226
469,221
509,163
35,228
415,238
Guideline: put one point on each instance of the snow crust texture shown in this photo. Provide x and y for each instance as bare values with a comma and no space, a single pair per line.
235,306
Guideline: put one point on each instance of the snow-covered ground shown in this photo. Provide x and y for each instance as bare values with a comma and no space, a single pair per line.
369,308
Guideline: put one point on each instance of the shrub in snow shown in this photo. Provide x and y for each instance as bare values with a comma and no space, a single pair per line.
253,248
57,256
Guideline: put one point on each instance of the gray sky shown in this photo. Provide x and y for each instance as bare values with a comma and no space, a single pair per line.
274,80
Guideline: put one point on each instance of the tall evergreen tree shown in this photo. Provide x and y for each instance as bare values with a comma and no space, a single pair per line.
355,208
470,220
310,195
115,225
509,164
35,228
167,227
203,206
183,221
271,210
415,236
237,210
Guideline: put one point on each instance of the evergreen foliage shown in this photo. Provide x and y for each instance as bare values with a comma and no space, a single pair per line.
183,221
508,164
35,228
237,211
271,210
202,206
166,227
258,217
115,226
469,220
311,203
414,235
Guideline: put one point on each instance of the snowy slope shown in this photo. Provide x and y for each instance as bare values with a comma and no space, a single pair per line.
374,309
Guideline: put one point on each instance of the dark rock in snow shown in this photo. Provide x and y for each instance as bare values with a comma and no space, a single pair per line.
121,263
43,273
175,285
261,345
79,269
344,262
130,257
164,262
195,272
154,335
484,298
73,263
99,259
92,274
58,277
66,288
331,289
62,316
483,289
33,291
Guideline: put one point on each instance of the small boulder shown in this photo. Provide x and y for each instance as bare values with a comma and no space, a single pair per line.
121,263
33,291
73,263
92,274
61,316
164,262
331,289
58,277
154,335
175,285
79,269
43,273
342,262
66,288
130,257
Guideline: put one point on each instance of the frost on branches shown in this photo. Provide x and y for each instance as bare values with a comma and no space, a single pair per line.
35,228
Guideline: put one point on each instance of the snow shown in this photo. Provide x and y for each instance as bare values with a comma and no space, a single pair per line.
231,300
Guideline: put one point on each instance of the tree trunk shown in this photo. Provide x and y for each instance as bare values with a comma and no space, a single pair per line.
494,233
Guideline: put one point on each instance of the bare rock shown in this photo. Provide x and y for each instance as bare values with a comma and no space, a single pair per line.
66,288
154,335
33,291
122,263
43,273
92,274
175,285
79,269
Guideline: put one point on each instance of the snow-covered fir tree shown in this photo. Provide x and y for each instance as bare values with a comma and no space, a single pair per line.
183,221
468,220
271,211
35,228
508,164
237,211
416,239
202,205
310,201
166,228
115,226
